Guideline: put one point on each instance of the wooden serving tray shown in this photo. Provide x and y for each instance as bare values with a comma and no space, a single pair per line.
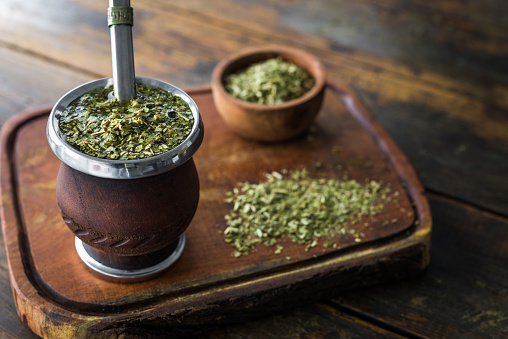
56,296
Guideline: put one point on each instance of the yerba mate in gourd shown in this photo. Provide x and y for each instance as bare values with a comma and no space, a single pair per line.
127,186
152,123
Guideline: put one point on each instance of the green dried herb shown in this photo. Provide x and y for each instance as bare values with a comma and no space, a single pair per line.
152,123
269,82
300,208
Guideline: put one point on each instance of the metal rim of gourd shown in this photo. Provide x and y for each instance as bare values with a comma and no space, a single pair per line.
122,169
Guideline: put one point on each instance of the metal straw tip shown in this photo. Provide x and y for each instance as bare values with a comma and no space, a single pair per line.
120,21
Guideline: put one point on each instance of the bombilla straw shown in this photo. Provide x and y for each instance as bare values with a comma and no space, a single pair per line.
120,21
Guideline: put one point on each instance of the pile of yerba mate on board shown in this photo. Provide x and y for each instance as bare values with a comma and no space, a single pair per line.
153,123
293,205
273,81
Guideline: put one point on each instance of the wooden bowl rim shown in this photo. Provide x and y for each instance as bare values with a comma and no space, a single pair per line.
303,59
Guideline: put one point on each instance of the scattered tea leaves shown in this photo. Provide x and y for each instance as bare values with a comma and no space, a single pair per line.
273,81
301,208
152,123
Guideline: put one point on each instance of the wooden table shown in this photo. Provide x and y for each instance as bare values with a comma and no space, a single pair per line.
433,73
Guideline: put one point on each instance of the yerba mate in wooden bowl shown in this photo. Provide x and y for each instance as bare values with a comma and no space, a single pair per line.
128,201
269,93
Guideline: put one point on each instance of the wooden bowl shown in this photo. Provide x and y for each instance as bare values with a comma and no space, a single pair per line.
269,123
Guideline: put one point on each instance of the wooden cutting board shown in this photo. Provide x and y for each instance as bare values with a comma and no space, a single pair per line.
56,296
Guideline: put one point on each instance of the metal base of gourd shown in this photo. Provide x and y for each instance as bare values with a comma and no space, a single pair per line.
130,274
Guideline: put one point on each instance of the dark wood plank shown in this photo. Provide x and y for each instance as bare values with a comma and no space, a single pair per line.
75,34
314,321
374,35
29,82
455,157
434,42
463,292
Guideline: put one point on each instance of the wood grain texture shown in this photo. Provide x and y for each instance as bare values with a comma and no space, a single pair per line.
433,73
470,253
451,41
198,290
316,321
29,82
127,217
